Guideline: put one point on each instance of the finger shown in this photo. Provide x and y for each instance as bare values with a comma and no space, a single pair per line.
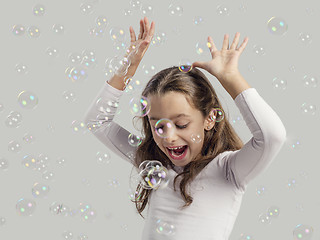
211,45
132,34
141,29
243,45
225,45
150,35
235,41
146,27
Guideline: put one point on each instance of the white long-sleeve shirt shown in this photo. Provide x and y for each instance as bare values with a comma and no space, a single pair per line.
218,189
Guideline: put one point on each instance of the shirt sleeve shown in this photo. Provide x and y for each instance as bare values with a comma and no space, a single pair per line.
269,135
100,114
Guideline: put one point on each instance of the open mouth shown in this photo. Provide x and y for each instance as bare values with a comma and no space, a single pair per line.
178,154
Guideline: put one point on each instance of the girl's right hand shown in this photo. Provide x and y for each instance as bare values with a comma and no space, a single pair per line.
139,46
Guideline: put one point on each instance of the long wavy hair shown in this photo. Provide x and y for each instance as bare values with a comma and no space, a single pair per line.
201,95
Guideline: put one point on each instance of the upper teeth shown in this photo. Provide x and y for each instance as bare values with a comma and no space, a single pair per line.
176,148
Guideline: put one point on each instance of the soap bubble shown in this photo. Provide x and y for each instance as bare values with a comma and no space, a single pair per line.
164,128
25,207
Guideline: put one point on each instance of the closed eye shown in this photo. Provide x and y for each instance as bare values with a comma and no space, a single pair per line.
178,126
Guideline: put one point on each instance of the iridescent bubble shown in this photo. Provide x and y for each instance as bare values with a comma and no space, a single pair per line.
277,26
89,215
139,106
29,161
279,83
78,126
197,20
58,28
14,146
305,38
294,143
310,81
25,207
119,65
303,232
48,175
291,183
273,211
102,21
251,68
82,237
259,50
113,183
21,68
18,30
97,31
154,177
216,114
146,10
202,49
159,38
165,228
196,138
86,8
135,4
150,163
83,207
120,46
132,85
60,209
103,157
4,164
27,100
185,65
28,138
148,70
52,52
88,58
38,10
40,190
117,34
223,10
134,140
68,96
78,74
175,10
264,218
75,58
165,128
308,109
260,190
34,32
128,12
67,235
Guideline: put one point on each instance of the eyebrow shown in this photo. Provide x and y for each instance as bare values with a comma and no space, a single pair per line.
177,116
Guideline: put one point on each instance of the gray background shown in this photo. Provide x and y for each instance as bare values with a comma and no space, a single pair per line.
83,180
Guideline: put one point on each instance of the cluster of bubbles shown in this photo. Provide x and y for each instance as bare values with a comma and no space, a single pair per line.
150,175
272,212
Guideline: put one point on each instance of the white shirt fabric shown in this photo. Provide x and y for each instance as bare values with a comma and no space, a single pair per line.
218,189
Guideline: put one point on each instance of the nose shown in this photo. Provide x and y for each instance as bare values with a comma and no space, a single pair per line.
171,137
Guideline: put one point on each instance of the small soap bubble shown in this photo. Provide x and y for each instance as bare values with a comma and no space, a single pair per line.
196,138
86,8
223,10
146,10
68,96
119,65
279,83
78,126
52,52
132,85
25,207
202,49
159,38
18,30
58,28
273,211
34,31
260,191
216,114
175,10
185,65
264,218
308,109
197,20
134,140
310,81
139,106
2,221
27,100
57,208
14,146
148,70
21,68
48,175
88,58
83,207
103,157
82,237
128,12
165,228
113,183
4,163
164,128
67,235
28,138
277,26
78,74
38,10
61,161
89,215
117,34
259,50
303,232
97,31
29,161
135,4
75,58
40,190
291,183
305,38
14,119
102,21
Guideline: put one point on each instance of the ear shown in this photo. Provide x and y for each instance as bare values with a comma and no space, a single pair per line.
210,120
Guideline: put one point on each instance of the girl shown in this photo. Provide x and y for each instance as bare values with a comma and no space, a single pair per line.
217,167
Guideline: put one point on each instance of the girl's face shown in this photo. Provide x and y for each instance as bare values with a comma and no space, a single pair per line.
189,128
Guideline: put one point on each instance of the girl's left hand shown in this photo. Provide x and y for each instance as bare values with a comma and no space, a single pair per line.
224,62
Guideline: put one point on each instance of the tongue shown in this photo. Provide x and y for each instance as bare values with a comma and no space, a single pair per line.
179,151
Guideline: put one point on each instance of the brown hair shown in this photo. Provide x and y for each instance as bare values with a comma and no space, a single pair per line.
201,95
